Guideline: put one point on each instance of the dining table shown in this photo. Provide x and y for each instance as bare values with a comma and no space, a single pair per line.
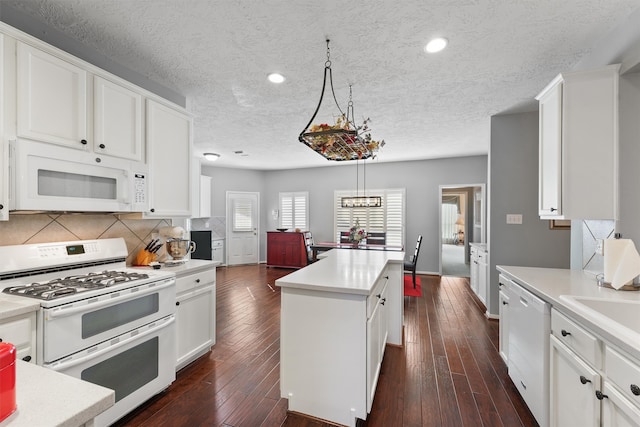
326,246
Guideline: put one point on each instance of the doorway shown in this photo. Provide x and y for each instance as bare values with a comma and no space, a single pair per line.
461,223
242,227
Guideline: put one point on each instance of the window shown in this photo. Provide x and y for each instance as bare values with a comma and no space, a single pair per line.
242,215
389,218
294,210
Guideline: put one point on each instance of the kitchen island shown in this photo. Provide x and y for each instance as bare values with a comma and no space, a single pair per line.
337,316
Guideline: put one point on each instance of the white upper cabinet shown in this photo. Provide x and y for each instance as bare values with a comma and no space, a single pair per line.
578,158
52,98
117,120
169,155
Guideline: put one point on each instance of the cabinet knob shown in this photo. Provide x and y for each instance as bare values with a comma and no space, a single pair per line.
101,146
383,301
553,209
83,141
379,295
197,280
584,379
98,159
601,395
386,277
177,302
152,210
635,389
505,303
565,333
27,358
1,207
0,339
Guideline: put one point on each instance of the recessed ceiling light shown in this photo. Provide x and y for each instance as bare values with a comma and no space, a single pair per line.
436,45
212,157
275,78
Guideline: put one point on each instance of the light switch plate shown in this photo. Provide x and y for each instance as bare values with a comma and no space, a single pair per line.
514,218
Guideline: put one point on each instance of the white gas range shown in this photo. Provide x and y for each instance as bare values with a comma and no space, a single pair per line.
98,320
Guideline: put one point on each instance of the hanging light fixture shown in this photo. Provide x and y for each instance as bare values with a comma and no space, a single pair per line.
342,140
359,201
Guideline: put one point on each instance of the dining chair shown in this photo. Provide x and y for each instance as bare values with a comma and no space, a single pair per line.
377,239
411,264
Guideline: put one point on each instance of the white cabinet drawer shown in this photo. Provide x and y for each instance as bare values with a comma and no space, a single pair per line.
624,373
194,280
576,338
376,294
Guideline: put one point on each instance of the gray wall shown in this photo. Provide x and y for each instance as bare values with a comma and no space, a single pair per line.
421,179
513,180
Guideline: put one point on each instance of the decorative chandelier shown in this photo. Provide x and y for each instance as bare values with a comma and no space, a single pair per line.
342,140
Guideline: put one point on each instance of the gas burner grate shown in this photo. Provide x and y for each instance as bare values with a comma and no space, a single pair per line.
63,286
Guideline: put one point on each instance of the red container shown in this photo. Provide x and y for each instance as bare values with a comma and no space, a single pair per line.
7,380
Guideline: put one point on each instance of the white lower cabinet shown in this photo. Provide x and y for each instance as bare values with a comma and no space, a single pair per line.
376,341
505,314
572,389
21,332
591,382
478,272
617,411
195,315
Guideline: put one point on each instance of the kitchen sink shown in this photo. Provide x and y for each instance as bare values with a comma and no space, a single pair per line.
621,315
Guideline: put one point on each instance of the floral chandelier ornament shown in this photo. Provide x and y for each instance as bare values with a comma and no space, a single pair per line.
342,140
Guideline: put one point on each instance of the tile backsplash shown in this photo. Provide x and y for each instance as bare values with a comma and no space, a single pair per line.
50,227
592,230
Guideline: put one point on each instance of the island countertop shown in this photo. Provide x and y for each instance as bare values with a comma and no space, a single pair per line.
343,270
48,398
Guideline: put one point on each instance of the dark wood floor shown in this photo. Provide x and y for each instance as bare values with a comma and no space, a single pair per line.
449,372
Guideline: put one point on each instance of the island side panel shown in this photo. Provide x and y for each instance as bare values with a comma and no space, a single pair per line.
323,354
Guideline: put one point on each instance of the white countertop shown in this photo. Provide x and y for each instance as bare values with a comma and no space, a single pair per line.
550,283
11,306
45,397
342,270
481,246
191,266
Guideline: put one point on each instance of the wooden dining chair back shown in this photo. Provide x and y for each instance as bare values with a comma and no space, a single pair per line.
344,237
377,239
410,266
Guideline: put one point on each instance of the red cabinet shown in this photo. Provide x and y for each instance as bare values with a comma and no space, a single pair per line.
288,249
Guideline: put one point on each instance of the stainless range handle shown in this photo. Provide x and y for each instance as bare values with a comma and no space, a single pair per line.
64,312
66,365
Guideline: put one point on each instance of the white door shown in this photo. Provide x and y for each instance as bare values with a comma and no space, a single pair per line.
242,227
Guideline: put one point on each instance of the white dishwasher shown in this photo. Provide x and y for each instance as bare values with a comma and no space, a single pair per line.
529,331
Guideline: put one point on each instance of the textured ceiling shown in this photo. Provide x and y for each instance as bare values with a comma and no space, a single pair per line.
219,52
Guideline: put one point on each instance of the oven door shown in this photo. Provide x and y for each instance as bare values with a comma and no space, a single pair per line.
136,365
72,327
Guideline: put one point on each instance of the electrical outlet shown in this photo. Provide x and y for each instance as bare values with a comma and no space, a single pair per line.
600,246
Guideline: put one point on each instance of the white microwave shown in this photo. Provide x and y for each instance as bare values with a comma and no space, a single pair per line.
47,177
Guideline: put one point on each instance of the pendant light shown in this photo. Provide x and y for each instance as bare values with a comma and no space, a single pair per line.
342,140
